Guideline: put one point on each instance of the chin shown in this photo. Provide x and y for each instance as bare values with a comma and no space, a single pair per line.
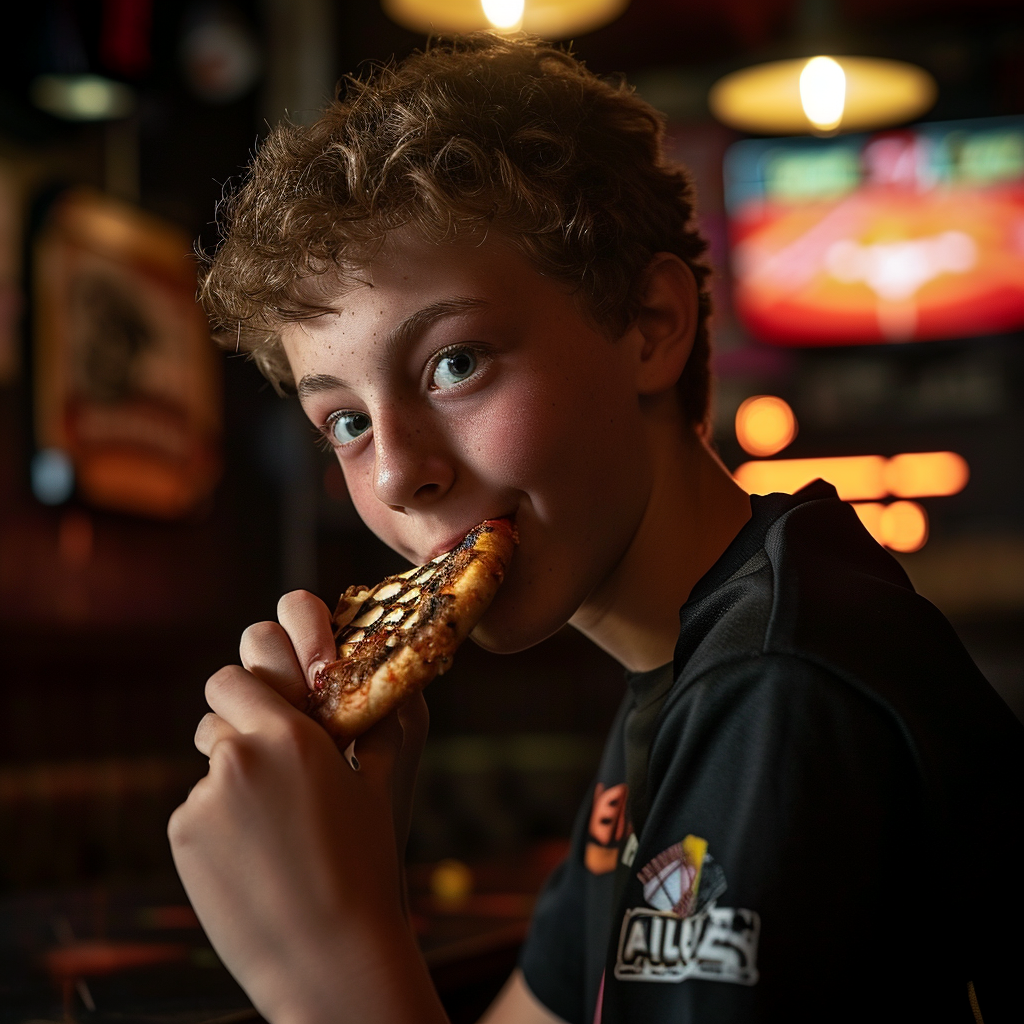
506,629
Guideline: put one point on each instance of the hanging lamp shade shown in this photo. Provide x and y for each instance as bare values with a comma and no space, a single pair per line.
552,19
822,95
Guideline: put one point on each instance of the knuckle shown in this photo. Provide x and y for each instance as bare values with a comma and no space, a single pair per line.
294,599
221,681
233,756
294,735
300,607
259,634
208,721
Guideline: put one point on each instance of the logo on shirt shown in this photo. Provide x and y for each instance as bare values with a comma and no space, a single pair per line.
683,933
608,826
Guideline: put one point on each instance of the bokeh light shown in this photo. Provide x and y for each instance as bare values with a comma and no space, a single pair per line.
901,526
861,477
504,14
823,93
451,881
765,425
926,474
904,526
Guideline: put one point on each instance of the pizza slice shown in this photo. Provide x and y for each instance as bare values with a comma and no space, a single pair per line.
395,637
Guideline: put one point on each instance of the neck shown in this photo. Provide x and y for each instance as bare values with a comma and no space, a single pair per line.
694,511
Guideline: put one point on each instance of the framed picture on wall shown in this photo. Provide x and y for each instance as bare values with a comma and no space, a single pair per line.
126,381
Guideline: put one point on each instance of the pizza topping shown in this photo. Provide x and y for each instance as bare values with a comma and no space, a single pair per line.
368,618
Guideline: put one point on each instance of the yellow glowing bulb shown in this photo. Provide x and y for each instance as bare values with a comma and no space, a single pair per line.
504,14
765,425
823,92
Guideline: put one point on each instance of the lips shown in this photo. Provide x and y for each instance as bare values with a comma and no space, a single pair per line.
455,539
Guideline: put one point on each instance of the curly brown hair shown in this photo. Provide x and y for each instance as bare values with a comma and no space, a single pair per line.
477,132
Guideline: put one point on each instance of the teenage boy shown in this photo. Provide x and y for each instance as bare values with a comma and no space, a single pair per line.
479,274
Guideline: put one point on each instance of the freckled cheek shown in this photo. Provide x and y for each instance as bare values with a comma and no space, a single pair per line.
513,437
370,508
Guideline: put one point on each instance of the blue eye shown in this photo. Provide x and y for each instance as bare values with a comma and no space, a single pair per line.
347,426
454,367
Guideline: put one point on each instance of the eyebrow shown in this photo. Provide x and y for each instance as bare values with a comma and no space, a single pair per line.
313,383
406,332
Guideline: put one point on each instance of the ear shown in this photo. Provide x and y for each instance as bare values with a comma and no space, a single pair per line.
666,324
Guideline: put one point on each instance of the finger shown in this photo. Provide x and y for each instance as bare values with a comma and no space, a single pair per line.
210,731
245,701
267,652
307,622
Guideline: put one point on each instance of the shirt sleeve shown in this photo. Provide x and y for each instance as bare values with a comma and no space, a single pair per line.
783,855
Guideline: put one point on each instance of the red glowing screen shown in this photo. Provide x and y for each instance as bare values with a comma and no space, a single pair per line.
910,235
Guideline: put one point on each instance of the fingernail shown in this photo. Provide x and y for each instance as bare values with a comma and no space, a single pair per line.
350,756
314,670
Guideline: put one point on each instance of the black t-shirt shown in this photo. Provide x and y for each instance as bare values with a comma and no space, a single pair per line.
814,814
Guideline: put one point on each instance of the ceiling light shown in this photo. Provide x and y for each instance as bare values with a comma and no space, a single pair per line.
505,15
82,97
822,95
552,19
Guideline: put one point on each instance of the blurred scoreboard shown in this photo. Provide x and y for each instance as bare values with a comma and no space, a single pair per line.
908,235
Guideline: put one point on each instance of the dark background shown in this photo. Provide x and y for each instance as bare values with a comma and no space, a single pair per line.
100,691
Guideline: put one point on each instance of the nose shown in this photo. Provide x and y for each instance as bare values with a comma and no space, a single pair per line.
413,468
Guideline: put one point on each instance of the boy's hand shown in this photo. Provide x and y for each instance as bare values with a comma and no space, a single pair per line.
288,855
289,655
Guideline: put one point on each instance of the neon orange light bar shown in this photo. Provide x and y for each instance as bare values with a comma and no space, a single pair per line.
926,474
902,525
861,477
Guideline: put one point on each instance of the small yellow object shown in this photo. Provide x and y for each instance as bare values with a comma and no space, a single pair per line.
451,881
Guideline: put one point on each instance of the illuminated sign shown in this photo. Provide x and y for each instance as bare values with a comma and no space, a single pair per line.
862,480
907,235
861,477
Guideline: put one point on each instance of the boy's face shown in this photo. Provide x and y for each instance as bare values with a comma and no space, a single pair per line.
457,384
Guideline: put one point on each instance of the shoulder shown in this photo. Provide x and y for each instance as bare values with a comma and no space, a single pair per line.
772,711
819,610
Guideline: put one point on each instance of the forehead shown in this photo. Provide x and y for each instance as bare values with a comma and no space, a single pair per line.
410,267
411,276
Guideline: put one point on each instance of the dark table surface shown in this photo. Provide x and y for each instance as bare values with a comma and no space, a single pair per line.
133,953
